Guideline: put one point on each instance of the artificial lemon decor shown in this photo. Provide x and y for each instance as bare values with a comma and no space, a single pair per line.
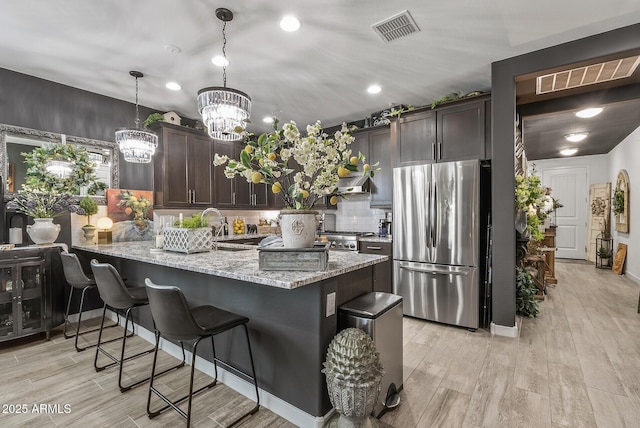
321,160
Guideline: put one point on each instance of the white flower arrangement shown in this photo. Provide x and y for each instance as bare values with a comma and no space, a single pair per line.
321,160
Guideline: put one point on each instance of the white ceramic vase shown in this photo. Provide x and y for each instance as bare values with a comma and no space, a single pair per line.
298,228
43,231
89,231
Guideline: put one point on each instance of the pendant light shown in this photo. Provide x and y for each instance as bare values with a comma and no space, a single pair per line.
137,145
224,111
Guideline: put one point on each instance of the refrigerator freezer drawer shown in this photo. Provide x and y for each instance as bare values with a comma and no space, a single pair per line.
446,294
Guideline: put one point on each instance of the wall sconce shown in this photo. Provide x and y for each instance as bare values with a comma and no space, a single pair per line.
104,230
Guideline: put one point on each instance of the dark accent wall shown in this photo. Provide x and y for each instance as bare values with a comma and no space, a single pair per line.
41,104
503,112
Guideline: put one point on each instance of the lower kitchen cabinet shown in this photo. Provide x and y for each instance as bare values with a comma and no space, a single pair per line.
382,272
30,300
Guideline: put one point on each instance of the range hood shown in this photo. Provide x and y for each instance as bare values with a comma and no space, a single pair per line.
358,184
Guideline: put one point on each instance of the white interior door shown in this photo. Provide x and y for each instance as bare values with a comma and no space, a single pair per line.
569,186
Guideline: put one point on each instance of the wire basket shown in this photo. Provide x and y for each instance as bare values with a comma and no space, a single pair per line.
188,240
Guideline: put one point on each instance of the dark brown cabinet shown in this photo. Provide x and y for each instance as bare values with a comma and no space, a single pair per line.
415,137
183,167
455,131
461,132
31,292
375,145
236,192
382,274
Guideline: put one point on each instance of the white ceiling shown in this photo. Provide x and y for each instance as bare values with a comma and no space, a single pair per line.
320,72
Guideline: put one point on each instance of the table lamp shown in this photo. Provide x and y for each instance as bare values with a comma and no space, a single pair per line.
104,230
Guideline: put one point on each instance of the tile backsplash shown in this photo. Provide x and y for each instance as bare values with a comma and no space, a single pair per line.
354,214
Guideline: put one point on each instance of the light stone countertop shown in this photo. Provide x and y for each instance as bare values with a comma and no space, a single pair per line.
240,265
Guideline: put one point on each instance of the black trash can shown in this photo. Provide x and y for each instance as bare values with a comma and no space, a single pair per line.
380,316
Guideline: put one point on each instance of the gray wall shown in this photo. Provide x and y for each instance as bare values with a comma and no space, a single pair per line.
503,114
41,104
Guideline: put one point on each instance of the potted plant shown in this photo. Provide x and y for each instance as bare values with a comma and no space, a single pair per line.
153,118
88,207
605,254
526,303
97,188
189,235
301,169
43,206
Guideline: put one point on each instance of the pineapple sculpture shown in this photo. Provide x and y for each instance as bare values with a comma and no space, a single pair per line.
353,371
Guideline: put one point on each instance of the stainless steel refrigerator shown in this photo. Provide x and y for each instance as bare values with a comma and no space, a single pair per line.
436,218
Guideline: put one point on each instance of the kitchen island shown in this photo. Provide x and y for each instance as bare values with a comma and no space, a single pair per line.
291,322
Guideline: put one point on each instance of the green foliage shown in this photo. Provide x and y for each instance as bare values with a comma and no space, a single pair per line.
40,180
618,201
89,206
529,194
451,97
97,186
193,222
526,303
605,253
397,112
153,118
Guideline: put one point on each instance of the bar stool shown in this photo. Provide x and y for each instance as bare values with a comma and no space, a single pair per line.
118,297
175,320
77,279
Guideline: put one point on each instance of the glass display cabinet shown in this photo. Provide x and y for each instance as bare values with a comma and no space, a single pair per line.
21,297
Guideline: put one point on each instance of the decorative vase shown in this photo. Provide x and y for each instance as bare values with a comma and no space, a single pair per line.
298,228
89,231
43,231
354,373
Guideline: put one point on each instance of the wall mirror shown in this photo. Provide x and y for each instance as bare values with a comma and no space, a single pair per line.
15,140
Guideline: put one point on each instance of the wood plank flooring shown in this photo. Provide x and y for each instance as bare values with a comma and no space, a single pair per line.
576,365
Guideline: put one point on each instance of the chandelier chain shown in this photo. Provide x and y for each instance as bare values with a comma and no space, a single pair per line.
224,54
137,115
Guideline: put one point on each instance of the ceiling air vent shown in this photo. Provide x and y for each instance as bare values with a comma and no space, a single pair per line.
588,75
400,25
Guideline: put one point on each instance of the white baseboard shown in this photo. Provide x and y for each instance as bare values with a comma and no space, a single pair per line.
267,400
503,330
86,315
632,277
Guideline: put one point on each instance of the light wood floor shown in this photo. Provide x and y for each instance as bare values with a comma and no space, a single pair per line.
577,364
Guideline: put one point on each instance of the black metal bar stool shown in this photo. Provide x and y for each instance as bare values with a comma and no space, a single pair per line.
118,297
175,320
77,279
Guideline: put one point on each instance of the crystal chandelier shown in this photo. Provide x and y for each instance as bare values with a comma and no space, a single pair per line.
225,111
137,145
59,168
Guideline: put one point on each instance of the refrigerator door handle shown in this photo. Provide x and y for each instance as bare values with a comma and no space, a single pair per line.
436,271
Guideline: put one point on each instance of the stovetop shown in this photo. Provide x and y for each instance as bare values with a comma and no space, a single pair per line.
343,240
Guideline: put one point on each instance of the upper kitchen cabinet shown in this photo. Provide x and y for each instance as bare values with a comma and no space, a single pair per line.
182,167
452,132
415,137
236,192
375,145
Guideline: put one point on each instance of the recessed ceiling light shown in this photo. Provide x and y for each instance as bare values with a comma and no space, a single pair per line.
374,89
290,23
220,61
267,119
589,112
576,136
174,86
568,152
